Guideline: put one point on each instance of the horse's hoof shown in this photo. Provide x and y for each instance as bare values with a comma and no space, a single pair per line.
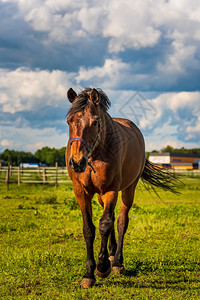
87,283
111,258
103,275
118,270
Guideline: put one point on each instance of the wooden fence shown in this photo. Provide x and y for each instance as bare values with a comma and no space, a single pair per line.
42,175
51,175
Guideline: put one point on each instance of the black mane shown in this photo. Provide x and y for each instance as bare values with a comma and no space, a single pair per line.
83,100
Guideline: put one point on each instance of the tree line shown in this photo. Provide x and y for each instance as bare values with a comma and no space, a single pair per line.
180,150
52,155
45,155
171,149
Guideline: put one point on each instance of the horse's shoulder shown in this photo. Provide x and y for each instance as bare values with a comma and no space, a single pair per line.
125,122
127,126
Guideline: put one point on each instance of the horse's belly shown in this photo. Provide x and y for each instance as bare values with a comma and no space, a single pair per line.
133,163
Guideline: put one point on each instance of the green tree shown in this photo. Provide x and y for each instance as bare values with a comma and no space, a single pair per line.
51,156
168,148
16,157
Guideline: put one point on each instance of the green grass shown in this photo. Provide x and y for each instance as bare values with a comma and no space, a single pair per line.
42,250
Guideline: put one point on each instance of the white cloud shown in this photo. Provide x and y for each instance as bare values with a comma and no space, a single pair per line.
178,109
59,20
155,142
6,144
174,121
173,102
193,132
92,15
124,25
34,147
109,75
23,90
183,100
178,61
130,25
30,139
41,19
135,24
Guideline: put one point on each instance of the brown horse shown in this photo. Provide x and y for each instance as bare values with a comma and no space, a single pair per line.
105,155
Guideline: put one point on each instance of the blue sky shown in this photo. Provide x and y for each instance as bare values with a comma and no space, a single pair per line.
144,54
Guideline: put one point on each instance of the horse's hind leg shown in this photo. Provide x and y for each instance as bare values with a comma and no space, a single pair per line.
112,245
122,225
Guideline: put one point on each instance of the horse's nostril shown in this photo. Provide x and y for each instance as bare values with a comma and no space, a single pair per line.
78,166
82,162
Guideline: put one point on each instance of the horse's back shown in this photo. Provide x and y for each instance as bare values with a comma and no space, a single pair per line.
129,129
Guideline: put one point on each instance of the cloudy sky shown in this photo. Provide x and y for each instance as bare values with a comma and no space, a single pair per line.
144,54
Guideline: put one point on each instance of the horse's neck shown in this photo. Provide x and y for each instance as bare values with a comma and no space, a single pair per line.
108,129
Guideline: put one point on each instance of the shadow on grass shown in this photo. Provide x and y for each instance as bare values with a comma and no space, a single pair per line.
135,270
157,284
177,285
144,275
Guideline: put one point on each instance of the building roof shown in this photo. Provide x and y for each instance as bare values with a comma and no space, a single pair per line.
174,154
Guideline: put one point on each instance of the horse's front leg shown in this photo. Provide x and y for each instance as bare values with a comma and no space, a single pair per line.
106,225
85,204
112,239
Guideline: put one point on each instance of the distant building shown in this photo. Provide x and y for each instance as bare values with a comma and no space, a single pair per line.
174,160
32,165
29,165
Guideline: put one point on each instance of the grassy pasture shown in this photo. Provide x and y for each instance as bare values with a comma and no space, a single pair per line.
42,250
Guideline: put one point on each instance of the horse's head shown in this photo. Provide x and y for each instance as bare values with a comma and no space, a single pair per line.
85,126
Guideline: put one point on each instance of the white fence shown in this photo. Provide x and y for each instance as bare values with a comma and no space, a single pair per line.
45,175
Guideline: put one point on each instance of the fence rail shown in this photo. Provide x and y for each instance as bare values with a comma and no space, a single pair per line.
52,175
45,175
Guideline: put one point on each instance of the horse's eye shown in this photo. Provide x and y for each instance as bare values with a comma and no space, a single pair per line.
95,123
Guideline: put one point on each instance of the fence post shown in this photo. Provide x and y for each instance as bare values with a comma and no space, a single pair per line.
10,171
8,176
19,176
38,170
56,181
44,175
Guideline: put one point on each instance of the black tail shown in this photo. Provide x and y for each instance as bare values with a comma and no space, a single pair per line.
156,177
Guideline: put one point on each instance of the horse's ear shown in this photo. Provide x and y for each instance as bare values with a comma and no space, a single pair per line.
71,95
94,96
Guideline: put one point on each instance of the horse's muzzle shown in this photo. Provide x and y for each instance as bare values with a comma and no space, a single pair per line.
79,166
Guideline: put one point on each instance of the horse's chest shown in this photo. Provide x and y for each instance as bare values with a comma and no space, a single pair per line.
95,181
92,183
